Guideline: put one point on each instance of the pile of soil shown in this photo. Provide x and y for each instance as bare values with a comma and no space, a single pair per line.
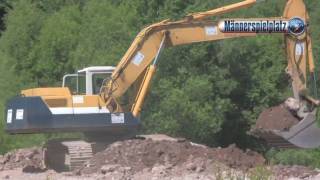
29,159
276,118
235,158
137,155
302,172
156,157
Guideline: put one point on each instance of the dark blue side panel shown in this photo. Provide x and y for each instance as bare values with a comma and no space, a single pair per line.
31,115
35,113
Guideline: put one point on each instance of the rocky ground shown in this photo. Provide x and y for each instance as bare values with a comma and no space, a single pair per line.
156,157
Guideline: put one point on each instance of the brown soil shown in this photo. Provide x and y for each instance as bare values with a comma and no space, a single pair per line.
30,160
141,154
236,158
293,171
157,157
277,118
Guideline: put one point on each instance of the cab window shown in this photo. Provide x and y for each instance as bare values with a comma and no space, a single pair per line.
76,83
97,80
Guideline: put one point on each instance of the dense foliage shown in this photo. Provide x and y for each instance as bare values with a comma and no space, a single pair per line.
207,92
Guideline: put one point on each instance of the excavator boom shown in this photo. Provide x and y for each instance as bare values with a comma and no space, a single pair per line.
144,51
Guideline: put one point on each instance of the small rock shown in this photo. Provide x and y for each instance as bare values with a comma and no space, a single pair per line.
127,168
77,172
169,166
158,169
191,167
32,169
2,160
146,170
180,140
305,175
197,145
17,159
70,173
159,152
108,168
167,159
115,145
7,177
200,169
30,155
6,158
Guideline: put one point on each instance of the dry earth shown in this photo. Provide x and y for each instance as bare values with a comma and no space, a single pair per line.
156,157
276,118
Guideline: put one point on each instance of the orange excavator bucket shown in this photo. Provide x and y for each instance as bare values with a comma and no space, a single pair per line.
281,129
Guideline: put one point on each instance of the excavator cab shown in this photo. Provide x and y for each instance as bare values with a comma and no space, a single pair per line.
87,81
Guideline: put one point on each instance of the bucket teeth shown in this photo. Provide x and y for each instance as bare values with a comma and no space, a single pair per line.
273,139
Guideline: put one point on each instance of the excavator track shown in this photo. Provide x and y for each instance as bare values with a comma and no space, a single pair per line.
67,155
71,154
78,153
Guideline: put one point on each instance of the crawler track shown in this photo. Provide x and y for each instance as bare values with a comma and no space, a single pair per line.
67,155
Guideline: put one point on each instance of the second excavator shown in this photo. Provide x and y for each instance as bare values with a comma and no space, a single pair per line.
90,100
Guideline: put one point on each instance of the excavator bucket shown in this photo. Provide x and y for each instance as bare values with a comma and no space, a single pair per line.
280,128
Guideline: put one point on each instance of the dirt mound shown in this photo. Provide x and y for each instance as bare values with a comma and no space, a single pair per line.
137,155
156,157
278,118
283,172
29,159
236,158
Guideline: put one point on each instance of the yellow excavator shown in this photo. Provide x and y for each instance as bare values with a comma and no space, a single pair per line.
90,101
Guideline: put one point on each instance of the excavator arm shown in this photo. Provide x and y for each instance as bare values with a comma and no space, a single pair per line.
148,44
304,133
146,47
141,57
299,50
